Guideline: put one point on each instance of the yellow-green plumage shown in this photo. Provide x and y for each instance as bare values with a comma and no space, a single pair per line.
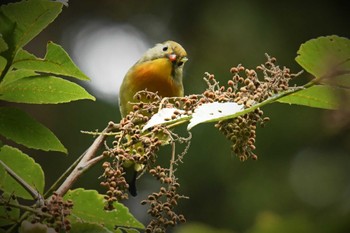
159,70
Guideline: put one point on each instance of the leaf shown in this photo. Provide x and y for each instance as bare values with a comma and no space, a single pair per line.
317,96
3,44
3,63
211,112
42,90
326,58
56,61
78,227
88,207
22,21
8,216
15,75
165,115
22,129
25,167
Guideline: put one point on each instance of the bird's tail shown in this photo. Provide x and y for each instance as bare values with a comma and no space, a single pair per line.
132,184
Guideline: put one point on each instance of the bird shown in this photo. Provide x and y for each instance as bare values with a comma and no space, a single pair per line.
159,70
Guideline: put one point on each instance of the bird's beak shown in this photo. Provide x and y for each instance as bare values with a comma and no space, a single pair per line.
172,57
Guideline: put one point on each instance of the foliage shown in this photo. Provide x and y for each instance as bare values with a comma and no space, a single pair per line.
235,108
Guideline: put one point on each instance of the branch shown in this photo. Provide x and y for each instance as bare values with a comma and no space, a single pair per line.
34,193
25,208
88,159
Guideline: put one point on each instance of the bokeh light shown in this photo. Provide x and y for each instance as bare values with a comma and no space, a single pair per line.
105,51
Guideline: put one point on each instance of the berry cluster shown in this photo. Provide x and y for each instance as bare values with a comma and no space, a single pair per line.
58,210
162,203
115,183
135,149
249,90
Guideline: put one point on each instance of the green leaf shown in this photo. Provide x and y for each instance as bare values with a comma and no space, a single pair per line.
42,89
317,96
15,75
88,207
56,61
79,227
3,44
25,167
22,21
19,127
327,58
8,216
3,63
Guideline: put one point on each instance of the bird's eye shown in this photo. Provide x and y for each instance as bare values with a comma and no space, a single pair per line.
165,48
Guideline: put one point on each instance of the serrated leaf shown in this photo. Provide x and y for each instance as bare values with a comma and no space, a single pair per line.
14,75
56,61
19,127
88,207
11,215
79,227
327,58
317,96
25,167
22,21
212,112
42,90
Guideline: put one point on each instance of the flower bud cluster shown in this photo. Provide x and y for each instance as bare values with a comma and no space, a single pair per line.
115,183
162,203
248,90
58,210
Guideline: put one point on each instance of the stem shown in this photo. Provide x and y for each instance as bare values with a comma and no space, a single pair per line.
172,161
26,208
63,176
9,63
34,193
86,161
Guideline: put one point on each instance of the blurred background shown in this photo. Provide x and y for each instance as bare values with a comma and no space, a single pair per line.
300,183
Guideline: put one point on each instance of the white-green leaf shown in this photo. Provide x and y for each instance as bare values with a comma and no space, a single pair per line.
212,112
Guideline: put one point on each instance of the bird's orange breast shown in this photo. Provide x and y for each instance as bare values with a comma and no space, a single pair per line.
156,76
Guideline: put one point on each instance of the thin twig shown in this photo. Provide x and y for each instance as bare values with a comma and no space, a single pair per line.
26,208
86,161
63,176
34,193
172,161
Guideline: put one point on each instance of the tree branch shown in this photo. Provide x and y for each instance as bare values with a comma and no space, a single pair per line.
34,193
86,161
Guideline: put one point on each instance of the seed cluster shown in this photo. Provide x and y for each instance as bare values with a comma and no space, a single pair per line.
115,183
136,149
162,203
59,210
131,149
249,90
